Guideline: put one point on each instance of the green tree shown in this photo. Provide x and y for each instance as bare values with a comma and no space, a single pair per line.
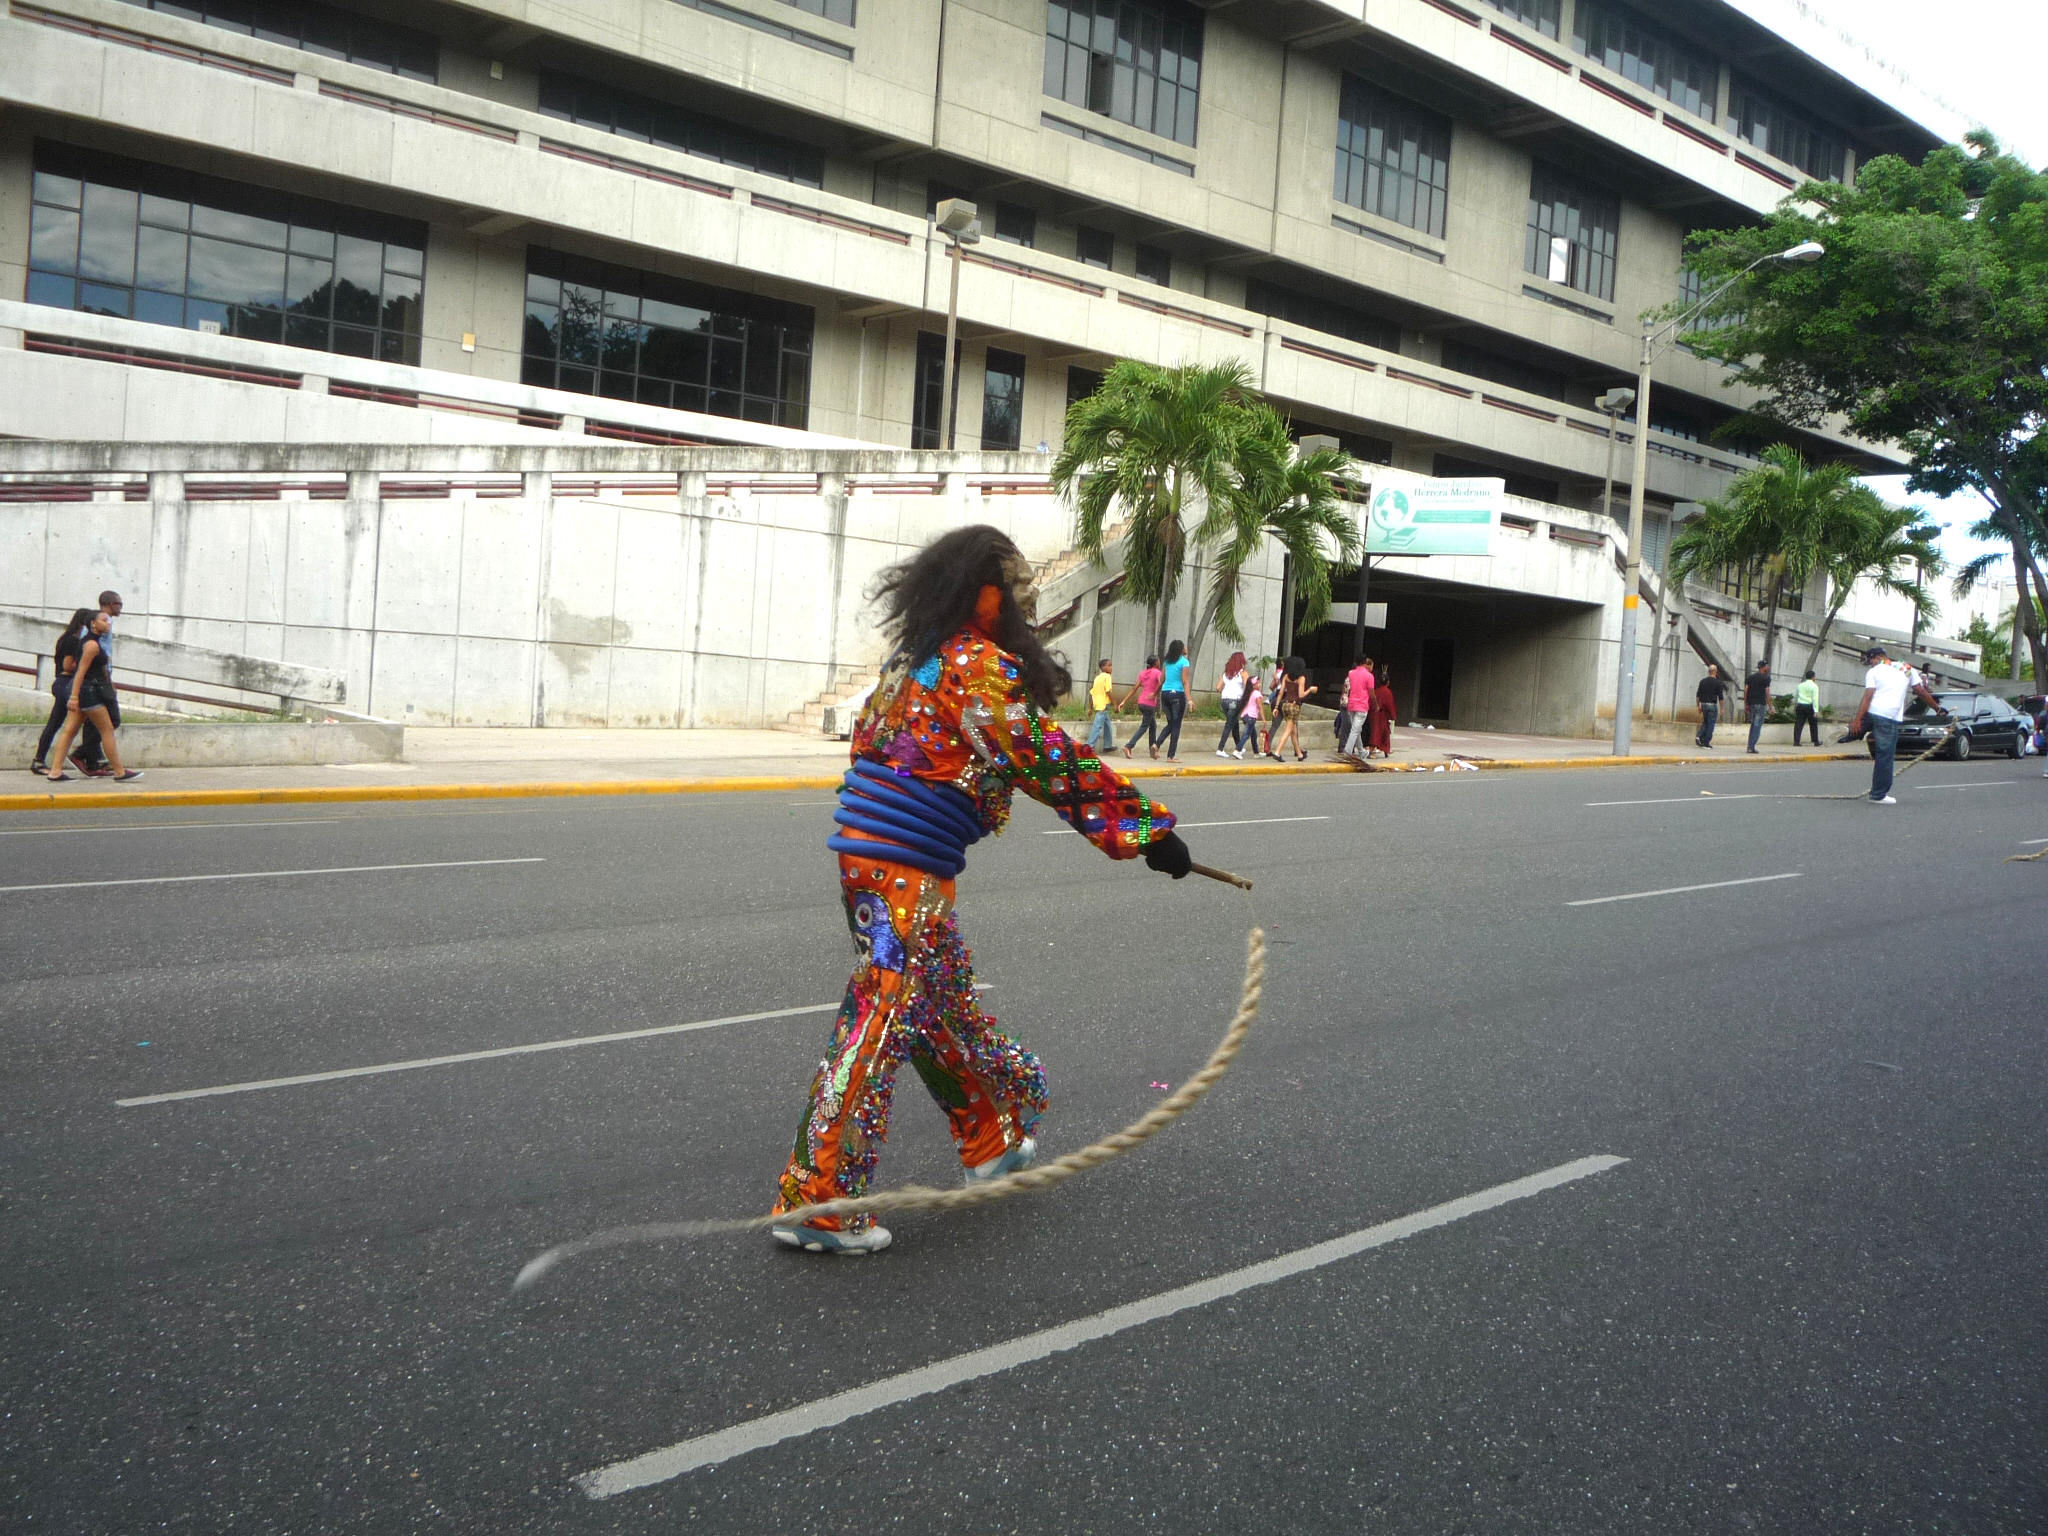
1150,444
1280,493
1994,641
1926,324
1889,538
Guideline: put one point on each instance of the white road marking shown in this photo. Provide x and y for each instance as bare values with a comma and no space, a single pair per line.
568,1044
1680,890
1703,798
176,826
2028,842
1250,821
1973,784
723,1445
262,874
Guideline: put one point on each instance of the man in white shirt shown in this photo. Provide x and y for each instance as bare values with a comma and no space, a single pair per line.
1886,687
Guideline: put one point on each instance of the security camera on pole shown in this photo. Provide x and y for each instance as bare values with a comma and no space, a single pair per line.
960,222
1655,338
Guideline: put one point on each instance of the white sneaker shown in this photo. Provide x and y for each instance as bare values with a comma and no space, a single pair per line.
826,1240
1221,753
1887,800
1239,755
1021,1156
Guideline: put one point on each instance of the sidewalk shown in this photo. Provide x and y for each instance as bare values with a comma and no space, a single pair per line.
460,763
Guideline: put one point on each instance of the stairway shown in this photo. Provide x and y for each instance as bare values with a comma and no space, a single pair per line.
808,719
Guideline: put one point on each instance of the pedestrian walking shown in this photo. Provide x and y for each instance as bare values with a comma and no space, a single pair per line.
1711,691
1254,703
1146,691
1380,725
1101,730
1276,684
64,670
93,701
1173,697
956,724
1230,688
1295,688
1806,708
1358,688
1886,687
1756,701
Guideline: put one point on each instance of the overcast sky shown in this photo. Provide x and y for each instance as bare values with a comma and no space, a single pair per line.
1985,60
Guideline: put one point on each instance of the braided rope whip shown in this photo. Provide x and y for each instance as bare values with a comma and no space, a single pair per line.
920,1197
1946,737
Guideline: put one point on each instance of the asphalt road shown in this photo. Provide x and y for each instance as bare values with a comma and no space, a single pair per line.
1809,1299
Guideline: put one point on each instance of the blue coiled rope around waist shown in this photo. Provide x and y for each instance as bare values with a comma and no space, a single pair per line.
927,826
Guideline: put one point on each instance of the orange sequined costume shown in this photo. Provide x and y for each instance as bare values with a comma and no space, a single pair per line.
937,752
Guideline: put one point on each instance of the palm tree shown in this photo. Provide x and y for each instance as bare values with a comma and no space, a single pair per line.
1888,538
1149,443
1282,493
1779,523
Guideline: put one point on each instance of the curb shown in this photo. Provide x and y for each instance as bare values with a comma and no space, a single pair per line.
329,794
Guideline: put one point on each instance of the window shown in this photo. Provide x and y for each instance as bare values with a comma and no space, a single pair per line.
1540,14
1517,373
1529,487
1002,401
1571,235
120,237
319,29
1360,445
840,11
1792,136
1665,65
1393,158
660,340
1745,583
1017,225
1155,265
930,391
1081,383
1322,315
1138,61
1094,247
648,121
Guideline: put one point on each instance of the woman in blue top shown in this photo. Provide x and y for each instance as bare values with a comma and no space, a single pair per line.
1173,696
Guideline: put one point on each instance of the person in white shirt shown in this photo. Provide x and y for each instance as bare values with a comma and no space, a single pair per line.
1886,687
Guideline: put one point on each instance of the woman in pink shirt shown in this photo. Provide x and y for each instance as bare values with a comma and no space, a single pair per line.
1358,686
1147,693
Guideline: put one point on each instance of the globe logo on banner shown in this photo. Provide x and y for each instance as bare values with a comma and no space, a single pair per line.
1393,519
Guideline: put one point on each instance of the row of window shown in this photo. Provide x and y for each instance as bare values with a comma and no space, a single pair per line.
124,238
1002,396
648,121
318,28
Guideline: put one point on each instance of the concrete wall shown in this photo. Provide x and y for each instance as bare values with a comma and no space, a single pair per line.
696,607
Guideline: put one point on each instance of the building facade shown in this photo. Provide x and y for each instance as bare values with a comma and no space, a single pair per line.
1428,227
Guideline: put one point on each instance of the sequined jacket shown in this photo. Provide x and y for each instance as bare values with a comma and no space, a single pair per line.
963,718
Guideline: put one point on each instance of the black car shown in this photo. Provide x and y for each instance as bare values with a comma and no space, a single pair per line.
1982,723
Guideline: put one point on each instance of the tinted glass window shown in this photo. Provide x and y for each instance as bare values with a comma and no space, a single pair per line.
606,330
1572,233
1138,61
1002,401
1393,157
319,29
1661,62
1792,136
174,248
648,121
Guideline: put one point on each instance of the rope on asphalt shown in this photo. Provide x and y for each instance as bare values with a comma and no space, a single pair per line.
1901,773
917,1197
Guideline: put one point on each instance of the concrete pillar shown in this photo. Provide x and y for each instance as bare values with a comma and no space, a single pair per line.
691,485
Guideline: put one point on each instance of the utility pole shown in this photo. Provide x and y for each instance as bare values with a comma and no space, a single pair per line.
959,221
1654,335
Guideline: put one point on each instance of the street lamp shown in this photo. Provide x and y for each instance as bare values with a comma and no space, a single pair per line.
960,222
1654,335
1611,405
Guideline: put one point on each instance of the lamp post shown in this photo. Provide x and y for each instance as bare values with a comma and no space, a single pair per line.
1611,405
960,222
1654,337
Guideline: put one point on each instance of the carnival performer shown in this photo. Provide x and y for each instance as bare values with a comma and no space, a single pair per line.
957,722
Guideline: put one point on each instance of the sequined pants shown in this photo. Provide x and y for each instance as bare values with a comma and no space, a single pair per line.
911,998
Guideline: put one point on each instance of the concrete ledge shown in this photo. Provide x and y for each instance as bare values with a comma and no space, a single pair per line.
222,744
90,799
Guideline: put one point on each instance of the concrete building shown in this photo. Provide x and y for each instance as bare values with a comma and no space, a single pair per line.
1427,226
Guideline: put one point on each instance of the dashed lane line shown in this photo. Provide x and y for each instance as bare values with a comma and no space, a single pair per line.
259,874
1680,890
673,1461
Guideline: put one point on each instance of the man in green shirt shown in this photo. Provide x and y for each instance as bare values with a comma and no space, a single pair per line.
1806,708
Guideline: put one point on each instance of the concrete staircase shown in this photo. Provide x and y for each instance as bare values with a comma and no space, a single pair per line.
847,682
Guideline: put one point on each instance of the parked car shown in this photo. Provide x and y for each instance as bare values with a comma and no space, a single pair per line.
1983,722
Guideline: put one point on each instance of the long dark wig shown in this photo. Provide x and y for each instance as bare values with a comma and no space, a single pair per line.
931,597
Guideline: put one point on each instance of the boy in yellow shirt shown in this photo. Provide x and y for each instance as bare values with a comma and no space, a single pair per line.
1101,734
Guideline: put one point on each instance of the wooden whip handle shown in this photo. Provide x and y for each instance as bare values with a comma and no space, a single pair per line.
1223,875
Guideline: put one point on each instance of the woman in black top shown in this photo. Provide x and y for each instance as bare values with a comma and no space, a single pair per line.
65,659
92,700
